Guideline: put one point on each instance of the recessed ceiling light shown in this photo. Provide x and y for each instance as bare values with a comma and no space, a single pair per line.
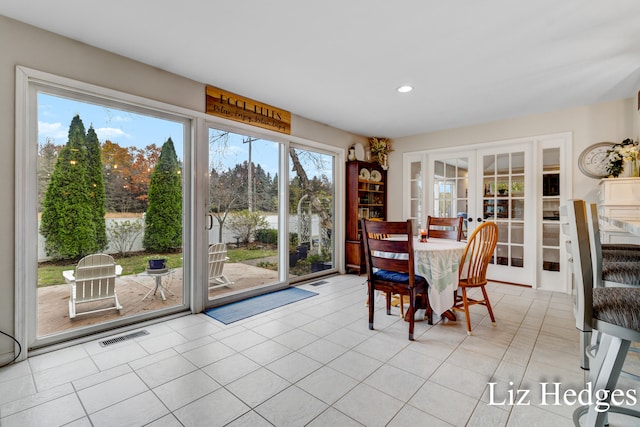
405,89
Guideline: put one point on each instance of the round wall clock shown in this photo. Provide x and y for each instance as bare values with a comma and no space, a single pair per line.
593,160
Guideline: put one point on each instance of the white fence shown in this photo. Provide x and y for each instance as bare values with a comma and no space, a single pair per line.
228,236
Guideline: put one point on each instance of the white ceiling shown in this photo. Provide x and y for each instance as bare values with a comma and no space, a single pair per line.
339,61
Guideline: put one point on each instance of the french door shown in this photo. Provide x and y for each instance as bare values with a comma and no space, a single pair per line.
519,184
504,186
489,184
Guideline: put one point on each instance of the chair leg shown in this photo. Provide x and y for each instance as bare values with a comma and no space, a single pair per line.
604,375
388,297
412,312
371,299
585,344
488,304
465,303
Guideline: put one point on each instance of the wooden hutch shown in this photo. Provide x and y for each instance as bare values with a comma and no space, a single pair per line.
366,198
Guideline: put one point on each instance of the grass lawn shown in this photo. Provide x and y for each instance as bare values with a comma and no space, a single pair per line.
51,273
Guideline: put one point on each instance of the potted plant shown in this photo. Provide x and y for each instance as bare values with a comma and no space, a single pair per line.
316,261
619,155
293,252
156,262
380,149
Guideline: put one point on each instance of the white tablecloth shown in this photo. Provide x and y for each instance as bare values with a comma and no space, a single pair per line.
438,260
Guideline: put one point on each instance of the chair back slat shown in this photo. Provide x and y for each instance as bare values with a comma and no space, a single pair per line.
388,245
444,228
580,263
95,277
217,257
595,247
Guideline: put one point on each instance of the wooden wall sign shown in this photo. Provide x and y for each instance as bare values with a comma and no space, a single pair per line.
235,107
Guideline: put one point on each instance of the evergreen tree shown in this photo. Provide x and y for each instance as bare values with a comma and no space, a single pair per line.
96,187
163,220
67,219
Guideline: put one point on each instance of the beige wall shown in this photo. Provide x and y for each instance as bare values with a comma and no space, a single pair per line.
610,121
25,45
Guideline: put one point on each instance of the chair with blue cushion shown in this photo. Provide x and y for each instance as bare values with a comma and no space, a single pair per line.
388,250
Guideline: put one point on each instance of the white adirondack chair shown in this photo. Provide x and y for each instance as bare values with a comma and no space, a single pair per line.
217,258
94,280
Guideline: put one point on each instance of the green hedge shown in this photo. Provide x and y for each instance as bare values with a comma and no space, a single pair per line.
267,235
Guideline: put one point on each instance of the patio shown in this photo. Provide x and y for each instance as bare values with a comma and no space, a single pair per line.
53,301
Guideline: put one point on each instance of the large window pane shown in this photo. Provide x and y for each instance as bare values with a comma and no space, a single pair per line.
109,181
243,204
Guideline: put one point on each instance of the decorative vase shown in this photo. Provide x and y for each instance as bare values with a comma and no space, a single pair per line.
352,154
630,169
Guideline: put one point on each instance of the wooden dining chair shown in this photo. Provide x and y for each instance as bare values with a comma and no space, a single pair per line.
612,312
444,228
473,269
388,250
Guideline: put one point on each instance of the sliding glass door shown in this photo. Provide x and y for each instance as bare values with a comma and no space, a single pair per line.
244,215
272,232
311,213
109,180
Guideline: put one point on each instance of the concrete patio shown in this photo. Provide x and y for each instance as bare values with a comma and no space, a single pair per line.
53,301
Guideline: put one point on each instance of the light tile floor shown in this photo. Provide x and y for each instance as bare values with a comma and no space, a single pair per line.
314,363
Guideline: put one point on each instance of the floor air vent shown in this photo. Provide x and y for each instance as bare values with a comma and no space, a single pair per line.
123,338
321,282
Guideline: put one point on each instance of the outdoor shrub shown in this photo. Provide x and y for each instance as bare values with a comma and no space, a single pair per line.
245,223
163,221
71,222
123,234
267,235
293,241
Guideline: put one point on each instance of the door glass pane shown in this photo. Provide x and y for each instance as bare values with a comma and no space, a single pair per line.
502,254
451,189
504,203
517,232
551,209
551,234
311,211
517,209
110,180
502,164
415,198
517,256
243,205
550,259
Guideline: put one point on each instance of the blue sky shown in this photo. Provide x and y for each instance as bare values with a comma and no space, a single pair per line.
137,130
119,126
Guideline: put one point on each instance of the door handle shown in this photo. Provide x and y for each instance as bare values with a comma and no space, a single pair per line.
479,219
210,226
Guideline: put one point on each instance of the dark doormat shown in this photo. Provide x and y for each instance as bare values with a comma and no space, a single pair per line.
250,307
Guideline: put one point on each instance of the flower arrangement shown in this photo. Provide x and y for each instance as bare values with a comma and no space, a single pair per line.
627,151
380,148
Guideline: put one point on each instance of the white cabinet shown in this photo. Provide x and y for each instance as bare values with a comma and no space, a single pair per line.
618,198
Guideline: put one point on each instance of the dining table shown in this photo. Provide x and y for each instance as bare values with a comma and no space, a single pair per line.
438,261
629,225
